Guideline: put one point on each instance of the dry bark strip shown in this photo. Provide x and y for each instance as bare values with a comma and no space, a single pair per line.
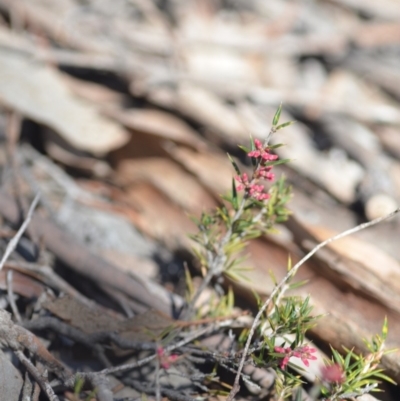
19,339
354,311
78,258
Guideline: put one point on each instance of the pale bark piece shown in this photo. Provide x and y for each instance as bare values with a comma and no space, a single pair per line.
338,175
168,177
390,138
347,92
379,205
158,123
386,9
363,146
211,111
93,92
377,34
159,218
268,35
213,169
38,92
383,72
364,266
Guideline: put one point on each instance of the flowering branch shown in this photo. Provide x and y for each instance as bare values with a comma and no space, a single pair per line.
241,226
282,286
223,235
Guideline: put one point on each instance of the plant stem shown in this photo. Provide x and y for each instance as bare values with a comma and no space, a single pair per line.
282,285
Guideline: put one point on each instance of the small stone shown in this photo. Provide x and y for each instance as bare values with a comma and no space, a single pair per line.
379,205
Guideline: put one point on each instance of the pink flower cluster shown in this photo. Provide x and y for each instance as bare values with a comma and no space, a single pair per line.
333,373
262,171
261,152
165,359
304,353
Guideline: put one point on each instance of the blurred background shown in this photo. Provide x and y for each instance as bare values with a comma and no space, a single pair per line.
121,112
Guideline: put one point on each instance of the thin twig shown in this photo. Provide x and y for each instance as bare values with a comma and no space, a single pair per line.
282,285
43,383
27,388
167,349
14,241
10,294
157,379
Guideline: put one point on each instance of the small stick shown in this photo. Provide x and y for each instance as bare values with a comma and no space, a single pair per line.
14,241
157,378
10,294
146,360
43,383
282,285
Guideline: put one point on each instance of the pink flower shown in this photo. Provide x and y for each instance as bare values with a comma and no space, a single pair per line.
284,362
243,181
262,152
268,156
253,189
285,351
304,353
256,192
333,373
281,350
264,172
259,147
251,186
164,359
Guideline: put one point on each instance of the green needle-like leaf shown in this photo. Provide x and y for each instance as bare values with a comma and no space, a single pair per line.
284,125
277,116
234,164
